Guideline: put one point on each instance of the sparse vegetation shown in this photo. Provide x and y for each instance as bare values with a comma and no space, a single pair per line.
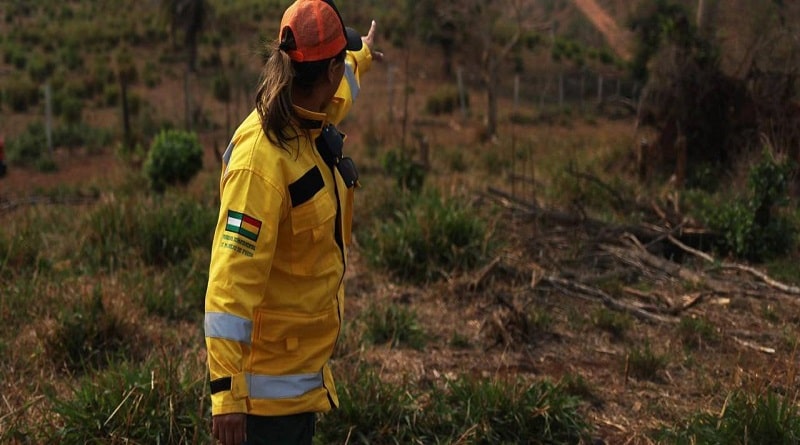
764,417
484,264
431,237
394,325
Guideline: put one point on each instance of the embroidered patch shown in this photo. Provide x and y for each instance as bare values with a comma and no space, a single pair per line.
244,225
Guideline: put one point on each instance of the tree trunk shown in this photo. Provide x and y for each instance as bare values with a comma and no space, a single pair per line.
127,137
491,96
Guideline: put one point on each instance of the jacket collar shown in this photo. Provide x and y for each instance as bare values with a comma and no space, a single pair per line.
309,120
312,120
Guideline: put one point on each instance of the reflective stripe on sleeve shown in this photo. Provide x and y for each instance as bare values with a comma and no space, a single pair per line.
350,75
282,386
228,327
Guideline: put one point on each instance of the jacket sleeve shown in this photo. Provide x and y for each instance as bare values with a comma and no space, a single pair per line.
356,64
241,257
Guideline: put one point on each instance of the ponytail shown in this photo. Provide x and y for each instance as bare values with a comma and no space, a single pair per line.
274,97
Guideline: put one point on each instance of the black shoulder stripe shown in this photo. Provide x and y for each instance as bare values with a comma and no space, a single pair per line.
306,187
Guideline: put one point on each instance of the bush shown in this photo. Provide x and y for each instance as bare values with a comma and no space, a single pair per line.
445,100
431,237
752,227
175,157
21,94
29,147
408,174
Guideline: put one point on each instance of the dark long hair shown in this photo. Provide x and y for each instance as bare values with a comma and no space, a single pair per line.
274,95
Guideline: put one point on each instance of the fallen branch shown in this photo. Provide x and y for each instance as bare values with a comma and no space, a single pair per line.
751,345
793,290
605,298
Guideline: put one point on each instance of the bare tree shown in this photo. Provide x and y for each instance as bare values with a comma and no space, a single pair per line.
494,28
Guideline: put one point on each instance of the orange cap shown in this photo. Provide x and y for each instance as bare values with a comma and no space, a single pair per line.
313,30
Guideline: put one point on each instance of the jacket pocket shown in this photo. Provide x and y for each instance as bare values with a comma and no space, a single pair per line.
293,343
313,248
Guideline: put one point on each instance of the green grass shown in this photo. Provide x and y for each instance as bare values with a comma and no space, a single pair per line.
430,238
393,324
466,409
645,363
157,401
764,418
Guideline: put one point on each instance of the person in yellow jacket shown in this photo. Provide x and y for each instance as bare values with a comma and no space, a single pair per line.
275,297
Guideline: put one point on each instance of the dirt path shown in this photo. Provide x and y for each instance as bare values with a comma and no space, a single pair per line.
618,39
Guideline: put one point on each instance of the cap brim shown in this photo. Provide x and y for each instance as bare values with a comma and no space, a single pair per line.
353,39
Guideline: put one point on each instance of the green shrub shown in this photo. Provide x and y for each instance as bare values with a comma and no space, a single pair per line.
155,402
79,134
221,87
430,238
30,146
21,94
40,67
445,100
394,324
150,75
111,95
71,109
766,418
175,157
753,227
408,174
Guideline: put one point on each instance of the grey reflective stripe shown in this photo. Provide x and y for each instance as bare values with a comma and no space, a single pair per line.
227,326
282,386
226,157
350,75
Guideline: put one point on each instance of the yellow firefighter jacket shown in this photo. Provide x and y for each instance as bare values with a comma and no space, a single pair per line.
275,297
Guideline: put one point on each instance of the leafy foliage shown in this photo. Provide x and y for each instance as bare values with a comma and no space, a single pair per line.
175,157
752,227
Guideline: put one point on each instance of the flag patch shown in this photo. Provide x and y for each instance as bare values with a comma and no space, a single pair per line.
244,225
